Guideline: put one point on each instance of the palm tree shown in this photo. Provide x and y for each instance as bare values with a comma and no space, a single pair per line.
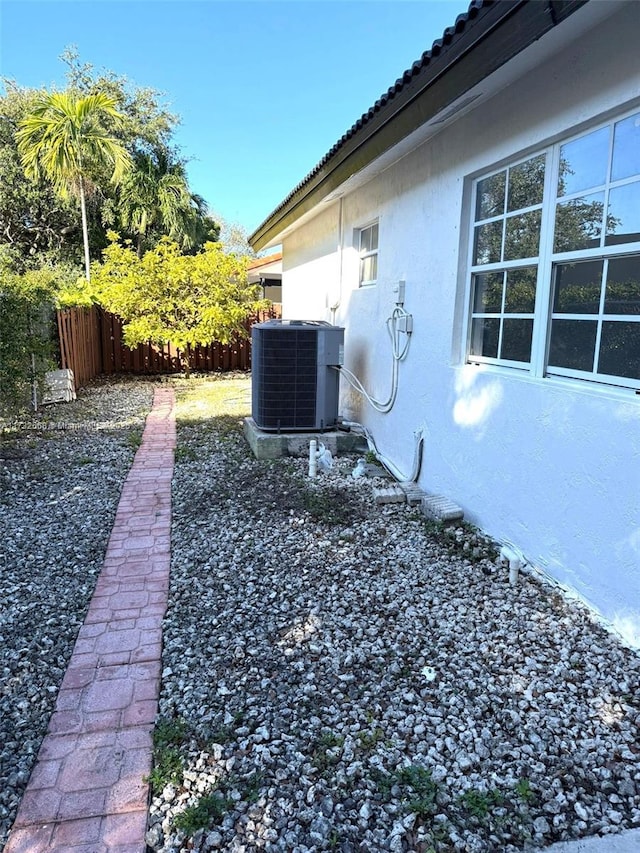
64,137
156,196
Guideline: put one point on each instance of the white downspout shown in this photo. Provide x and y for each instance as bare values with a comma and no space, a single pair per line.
333,308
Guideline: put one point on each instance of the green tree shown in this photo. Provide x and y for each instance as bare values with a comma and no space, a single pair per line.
146,123
64,136
207,231
40,226
146,131
168,296
155,196
36,225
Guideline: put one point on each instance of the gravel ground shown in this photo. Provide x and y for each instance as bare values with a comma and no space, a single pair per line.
337,676
342,676
61,473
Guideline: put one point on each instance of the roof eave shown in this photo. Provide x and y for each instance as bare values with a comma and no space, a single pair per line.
492,33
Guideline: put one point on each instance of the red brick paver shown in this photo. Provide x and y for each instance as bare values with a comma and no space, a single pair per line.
87,793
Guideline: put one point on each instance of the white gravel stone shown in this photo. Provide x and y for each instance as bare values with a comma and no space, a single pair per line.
301,619
345,606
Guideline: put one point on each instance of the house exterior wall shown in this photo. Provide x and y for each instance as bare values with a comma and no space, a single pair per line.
550,466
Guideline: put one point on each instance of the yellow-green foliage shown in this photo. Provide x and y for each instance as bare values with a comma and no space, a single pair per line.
168,296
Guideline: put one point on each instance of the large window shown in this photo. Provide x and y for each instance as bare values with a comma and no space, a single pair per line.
555,260
368,250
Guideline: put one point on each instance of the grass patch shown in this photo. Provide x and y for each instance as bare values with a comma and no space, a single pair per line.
480,803
211,808
472,544
325,752
185,454
384,782
170,732
329,506
524,791
422,799
225,733
369,740
133,438
250,788
168,764
207,810
224,399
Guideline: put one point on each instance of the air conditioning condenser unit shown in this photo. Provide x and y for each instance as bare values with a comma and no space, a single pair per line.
295,385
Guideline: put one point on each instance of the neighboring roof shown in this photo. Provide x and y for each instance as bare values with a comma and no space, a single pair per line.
481,40
267,268
268,259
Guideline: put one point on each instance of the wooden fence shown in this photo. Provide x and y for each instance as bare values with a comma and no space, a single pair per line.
91,345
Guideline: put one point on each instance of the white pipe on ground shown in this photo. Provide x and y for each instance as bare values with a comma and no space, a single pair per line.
508,555
313,458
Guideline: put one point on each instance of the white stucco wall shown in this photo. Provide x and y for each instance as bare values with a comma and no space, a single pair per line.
552,467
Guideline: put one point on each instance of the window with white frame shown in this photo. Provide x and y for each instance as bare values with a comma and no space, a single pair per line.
368,251
555,260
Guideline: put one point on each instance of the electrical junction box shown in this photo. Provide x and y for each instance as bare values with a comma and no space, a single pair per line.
295,383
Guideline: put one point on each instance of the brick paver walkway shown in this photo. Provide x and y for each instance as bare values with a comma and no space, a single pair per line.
86,793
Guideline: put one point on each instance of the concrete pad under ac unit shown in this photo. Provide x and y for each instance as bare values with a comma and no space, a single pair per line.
274,445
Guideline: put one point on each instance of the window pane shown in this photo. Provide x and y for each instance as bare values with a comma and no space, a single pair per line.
579,223
484,336
516,340
620,349
526,184
487,293
369,268
622,295
623,217
577,288
490,196
487,244
583,162
374,237
522,237
365,239
521,291
626,148
572,344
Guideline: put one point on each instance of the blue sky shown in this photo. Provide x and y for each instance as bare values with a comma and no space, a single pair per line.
263,89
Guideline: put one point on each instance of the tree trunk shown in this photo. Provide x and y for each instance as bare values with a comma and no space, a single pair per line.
85,230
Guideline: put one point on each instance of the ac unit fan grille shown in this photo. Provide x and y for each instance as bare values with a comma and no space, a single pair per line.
287,379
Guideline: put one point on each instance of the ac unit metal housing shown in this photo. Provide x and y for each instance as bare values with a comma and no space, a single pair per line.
294,383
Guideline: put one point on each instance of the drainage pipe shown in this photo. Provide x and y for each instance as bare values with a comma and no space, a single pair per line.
391,468
313,458
508,555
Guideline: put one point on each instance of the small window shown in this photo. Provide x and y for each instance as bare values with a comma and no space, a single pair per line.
368,251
